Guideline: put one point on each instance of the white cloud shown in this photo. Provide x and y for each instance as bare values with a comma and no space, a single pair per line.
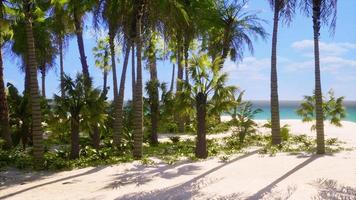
251,68
326,49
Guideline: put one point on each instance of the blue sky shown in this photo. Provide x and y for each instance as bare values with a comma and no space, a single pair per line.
295,59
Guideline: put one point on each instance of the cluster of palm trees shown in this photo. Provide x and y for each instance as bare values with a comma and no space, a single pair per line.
38,31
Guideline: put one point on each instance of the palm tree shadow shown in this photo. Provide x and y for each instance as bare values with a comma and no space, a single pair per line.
94,170
268,188
187,189
330,189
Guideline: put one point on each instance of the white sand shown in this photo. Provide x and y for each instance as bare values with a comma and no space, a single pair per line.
250,176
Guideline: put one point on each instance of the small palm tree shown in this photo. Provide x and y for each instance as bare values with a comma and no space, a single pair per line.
84,104
333,109
206,83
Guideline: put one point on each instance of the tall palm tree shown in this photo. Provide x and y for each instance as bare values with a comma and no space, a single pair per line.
37,131
117,16
322,11
138,103
4,110
284,9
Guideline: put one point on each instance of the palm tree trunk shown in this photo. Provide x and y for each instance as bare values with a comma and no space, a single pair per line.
120,100
79,33
4,110
34,92
201,149
138,103
276,129
43,78
186,56
61,65
133,75
113,65
318,92
180,77
226,45
105,81
96,137
172,80
74,125
154,97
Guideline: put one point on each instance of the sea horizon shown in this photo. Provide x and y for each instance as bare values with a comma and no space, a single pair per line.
288,109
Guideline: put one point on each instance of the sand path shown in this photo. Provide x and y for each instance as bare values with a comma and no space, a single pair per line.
248,176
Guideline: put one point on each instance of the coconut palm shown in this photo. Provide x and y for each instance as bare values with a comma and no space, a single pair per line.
5,32
282,9
37,131
84,104
233,30
207,83
139,7
117,15
322,12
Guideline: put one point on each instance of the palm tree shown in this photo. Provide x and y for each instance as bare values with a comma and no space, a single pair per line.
234,30
117,16
321,12
207,82
85,105
34,91
285,9
138,101
4,110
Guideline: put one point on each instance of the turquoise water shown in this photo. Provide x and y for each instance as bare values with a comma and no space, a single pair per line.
288,108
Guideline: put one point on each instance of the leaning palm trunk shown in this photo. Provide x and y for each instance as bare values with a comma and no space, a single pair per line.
120,100
4,110
138,101
276,130
34,92
318,93
201,151
79,33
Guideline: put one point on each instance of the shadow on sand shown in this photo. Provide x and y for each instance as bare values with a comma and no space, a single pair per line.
94,170
331,190
188,189
266,190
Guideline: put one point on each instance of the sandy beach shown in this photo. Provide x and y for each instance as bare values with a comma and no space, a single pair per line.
244,176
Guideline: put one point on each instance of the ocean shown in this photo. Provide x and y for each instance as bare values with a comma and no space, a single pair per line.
288,110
